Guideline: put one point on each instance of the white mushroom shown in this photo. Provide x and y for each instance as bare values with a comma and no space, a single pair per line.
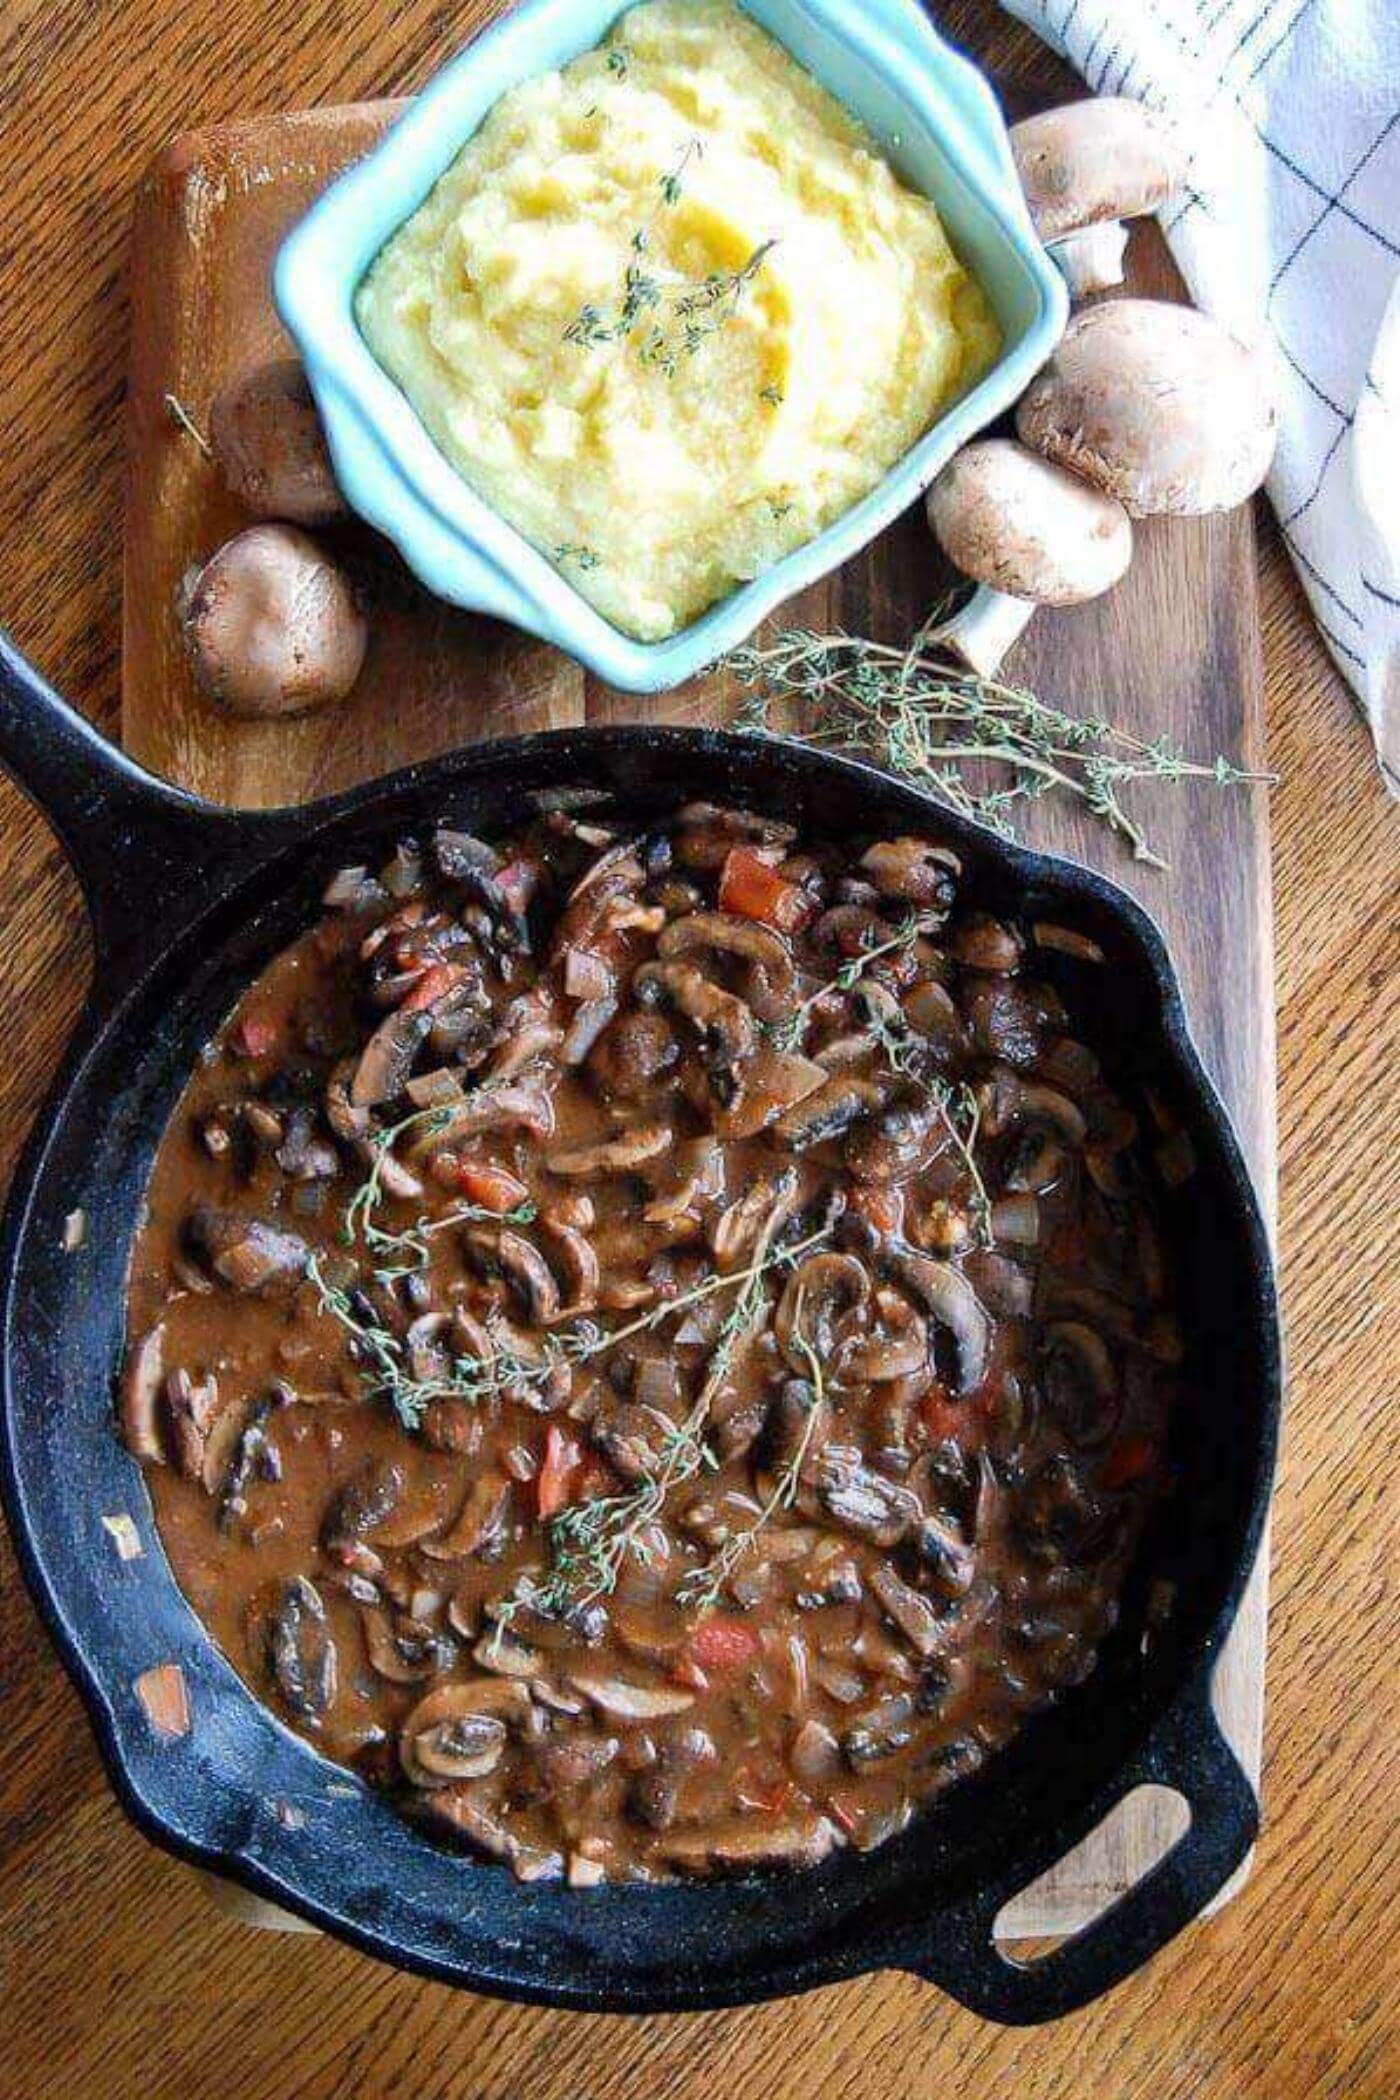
267,437
1156,405
1087,167
1028,533
272,624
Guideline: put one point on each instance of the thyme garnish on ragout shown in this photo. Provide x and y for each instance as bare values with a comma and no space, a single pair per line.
694,308
703,1587
929,718
590,1542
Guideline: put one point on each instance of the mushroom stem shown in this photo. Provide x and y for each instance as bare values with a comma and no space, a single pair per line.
1092,259
983,630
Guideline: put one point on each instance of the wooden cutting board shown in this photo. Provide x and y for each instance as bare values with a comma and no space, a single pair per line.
1174,650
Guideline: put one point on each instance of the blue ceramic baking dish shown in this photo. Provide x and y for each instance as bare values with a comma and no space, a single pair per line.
932,113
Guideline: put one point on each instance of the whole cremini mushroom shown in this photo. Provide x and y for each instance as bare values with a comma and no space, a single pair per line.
267,438
272,624
1087,167
1157,405
1029,534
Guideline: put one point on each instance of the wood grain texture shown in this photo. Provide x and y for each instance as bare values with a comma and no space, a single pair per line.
209,219
121,1983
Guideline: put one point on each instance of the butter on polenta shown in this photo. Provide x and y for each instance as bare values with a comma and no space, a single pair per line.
671,312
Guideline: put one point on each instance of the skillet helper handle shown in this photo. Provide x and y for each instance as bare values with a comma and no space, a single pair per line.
1186,1752
143,852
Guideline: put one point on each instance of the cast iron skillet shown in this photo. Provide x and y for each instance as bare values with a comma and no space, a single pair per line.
187,903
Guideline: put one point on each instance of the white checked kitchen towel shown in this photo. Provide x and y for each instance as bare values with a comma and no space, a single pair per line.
1289,232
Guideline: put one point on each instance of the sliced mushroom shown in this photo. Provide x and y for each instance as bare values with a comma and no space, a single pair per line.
769,1084
619,1155
915,1617
247,1254
1086,167
349,1121
579,1261
879,1731
525,1103
863,1501
821,1294
770,975
1156,405
192,1409
142,1378
630,1705
828,1113
403,1655
748,1843
726,1026
388,1058
914,870
1080,1382
367,1498
763,1208
530,1274
633,1439
946,1293
478,1519
301,1652
460,1724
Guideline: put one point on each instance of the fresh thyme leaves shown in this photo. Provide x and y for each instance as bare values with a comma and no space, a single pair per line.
618,61
574,551
961,1111
788,1033
383,1354
772,394
923,715
704,1586
698,309
591,1542
779,510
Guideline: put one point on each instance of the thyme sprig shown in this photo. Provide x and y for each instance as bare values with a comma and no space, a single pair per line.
789,1032
703,1587
698,308
591,1542
383,1354
926,716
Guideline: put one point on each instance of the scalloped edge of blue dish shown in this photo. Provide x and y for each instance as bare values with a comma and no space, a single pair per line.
930,110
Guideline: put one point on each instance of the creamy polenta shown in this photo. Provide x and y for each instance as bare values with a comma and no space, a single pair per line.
671,312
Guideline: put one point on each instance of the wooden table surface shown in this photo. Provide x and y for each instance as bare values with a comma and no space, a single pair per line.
119,1979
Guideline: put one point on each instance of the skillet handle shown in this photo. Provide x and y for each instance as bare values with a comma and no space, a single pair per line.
148,857
1187,1752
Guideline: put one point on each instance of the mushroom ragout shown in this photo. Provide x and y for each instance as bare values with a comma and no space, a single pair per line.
655,1348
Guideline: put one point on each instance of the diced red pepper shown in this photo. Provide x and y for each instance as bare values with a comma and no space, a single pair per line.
555,1479
254,1036
436,982
754,890
482,1181
1131,1460
722,1644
